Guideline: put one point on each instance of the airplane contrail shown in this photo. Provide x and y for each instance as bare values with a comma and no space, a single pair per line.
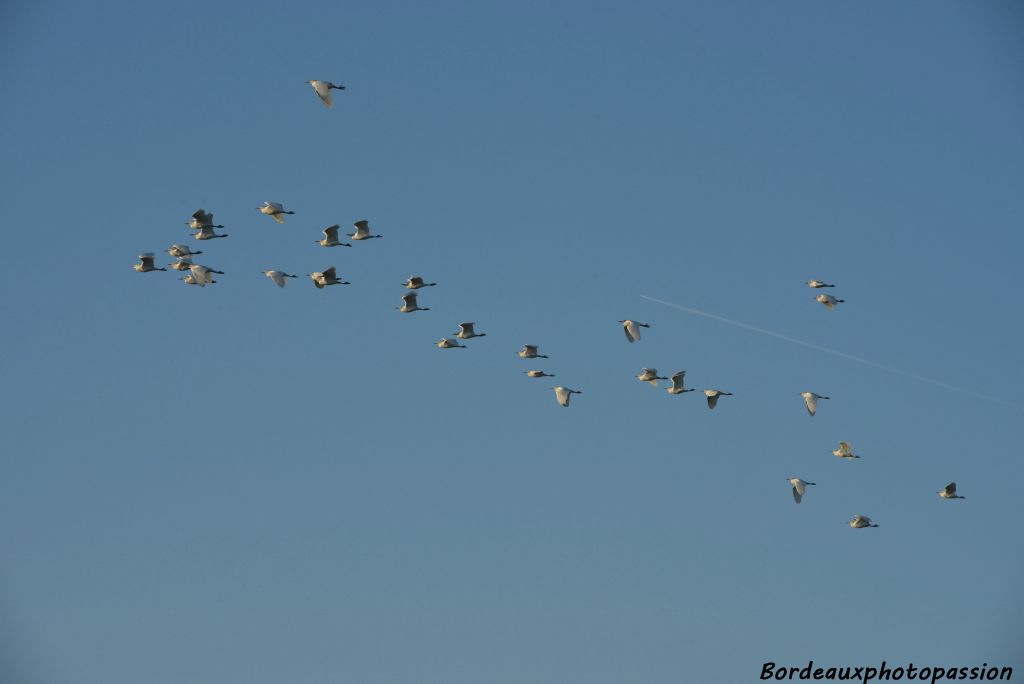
834,352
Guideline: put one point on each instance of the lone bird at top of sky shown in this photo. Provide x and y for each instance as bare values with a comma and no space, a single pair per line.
829,301
799,487
845,451
816,284
949,492
146,264
859,521
713,395
677,383
563,394
632,329
529,351
362,231
274,210
331,238
811,400
323,90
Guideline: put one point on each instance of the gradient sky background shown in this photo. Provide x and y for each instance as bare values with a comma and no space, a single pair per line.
241,484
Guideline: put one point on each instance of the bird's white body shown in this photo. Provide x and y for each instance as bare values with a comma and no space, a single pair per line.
949,492
811,401
563,394
817,284
329,276
632,329
203,275
416,282
331,238
323,90
538,374
799,488
859,521
183,263
829,301
181,251
146,264
410,304
713,395
362,231
845,451
274,210
201,219
677,383
466,332
447,343
208,233
280,278
650,375
529,351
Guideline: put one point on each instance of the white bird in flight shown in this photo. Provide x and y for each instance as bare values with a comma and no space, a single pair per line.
409,304
208,233
713,395
563,394
845,451
280,278
416,282
183,263
538,374
203,275
799,487
146,264
362,231
811,399
447,343
323,90
329,276
632,329
529,351
650,375
829,301
816,284
859,521
201,219
331,238
677,383
274,210
466,332
181,251
949,492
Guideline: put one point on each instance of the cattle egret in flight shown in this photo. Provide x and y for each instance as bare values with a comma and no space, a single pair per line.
466,332
811,399
331,238
447,343
274,210
328,276
859,521
146,264
649,375
202,275
949,492
208,233
410,304
632,329
816,284
280,278
201,219
713,394
799,487
181,251
416,282
362,231
845,451
529,351
323,90
563,394
829,301
538,374
183,263
677,383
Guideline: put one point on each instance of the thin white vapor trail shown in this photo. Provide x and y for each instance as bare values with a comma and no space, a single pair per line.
850,357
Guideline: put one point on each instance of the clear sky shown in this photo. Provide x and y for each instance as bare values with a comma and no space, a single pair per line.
242,484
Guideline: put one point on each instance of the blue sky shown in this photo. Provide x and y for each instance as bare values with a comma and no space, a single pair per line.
247,484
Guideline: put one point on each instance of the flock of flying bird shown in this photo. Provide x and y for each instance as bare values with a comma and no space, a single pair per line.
202,223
